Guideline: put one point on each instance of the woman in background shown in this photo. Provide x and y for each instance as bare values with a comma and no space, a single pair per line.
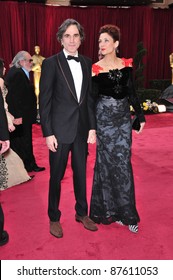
113,197
12,171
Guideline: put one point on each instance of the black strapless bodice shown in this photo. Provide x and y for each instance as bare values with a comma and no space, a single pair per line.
118,84
115,83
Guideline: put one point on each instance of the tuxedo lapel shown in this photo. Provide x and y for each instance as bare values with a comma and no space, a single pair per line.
85,77
65,69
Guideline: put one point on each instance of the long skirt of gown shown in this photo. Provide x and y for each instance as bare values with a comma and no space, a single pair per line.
113,197
12,170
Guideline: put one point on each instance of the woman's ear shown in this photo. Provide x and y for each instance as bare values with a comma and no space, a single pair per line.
116,44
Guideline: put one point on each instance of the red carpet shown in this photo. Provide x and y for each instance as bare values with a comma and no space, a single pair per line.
25,207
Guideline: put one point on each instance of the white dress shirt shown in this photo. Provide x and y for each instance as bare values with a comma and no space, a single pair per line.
76,71
26,72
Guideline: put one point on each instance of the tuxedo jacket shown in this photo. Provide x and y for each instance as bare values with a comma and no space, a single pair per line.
60,112
4,134
21,97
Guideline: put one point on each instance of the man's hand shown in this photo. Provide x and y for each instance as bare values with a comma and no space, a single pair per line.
91,136
52,143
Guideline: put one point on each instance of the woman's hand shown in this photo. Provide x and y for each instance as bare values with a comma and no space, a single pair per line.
17,121
141,128
11,127
5,145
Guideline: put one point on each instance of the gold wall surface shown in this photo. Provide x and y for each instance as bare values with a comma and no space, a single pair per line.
161,3
155,3
58,2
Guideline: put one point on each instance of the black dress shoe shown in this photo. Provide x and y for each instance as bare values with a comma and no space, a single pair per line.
4,238
36,168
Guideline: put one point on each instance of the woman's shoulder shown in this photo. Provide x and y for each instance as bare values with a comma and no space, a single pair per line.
127,62
96,69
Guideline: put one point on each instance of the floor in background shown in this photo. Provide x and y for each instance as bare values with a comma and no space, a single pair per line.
25,207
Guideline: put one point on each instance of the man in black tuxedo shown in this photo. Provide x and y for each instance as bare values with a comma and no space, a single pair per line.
4,146
21,101
68,121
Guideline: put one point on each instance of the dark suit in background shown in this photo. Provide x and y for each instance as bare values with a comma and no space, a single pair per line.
21,101
4,134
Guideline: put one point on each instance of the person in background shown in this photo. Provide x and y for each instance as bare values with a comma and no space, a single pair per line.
4,146
10,117
113,196
21,101
12,170
171,64
67,120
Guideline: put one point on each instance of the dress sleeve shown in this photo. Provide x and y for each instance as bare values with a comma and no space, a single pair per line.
128,62
96,69
133,98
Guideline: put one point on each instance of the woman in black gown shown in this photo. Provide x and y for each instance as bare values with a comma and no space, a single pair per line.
113,197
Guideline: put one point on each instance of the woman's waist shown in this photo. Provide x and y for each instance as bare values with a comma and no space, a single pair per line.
110,104
112,99
113,93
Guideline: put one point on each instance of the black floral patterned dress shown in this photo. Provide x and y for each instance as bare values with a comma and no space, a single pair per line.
113,196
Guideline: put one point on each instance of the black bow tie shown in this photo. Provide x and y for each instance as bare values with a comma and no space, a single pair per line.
69,57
